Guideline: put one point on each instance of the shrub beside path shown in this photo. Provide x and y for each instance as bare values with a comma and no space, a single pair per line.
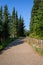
20,52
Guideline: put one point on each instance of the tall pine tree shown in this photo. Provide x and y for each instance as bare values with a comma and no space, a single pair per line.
16,17
6,21
1,23
21,26
36,24
13,29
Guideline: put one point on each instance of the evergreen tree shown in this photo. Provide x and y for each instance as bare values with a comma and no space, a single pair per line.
6,21
39,30
13,29
10,25
36,24
1,23
16,23
21,26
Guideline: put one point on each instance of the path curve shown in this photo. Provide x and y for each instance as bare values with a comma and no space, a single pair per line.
20,53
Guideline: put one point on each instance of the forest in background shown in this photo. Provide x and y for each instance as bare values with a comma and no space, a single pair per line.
11,26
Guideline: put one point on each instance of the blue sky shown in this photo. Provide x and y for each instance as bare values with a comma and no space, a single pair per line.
23,8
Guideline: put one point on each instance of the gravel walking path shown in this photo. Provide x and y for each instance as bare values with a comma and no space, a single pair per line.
20,53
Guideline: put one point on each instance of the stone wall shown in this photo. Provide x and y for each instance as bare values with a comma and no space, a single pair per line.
36,42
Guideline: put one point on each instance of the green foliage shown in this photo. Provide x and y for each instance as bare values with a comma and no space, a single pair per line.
6,21
10,26
16,18
27,32
5,43
36,24
1,24
39,50
13,29
21,27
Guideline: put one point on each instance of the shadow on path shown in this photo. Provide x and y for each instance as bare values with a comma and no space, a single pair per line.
14,43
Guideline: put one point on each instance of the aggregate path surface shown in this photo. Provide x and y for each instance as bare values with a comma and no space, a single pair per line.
20,53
